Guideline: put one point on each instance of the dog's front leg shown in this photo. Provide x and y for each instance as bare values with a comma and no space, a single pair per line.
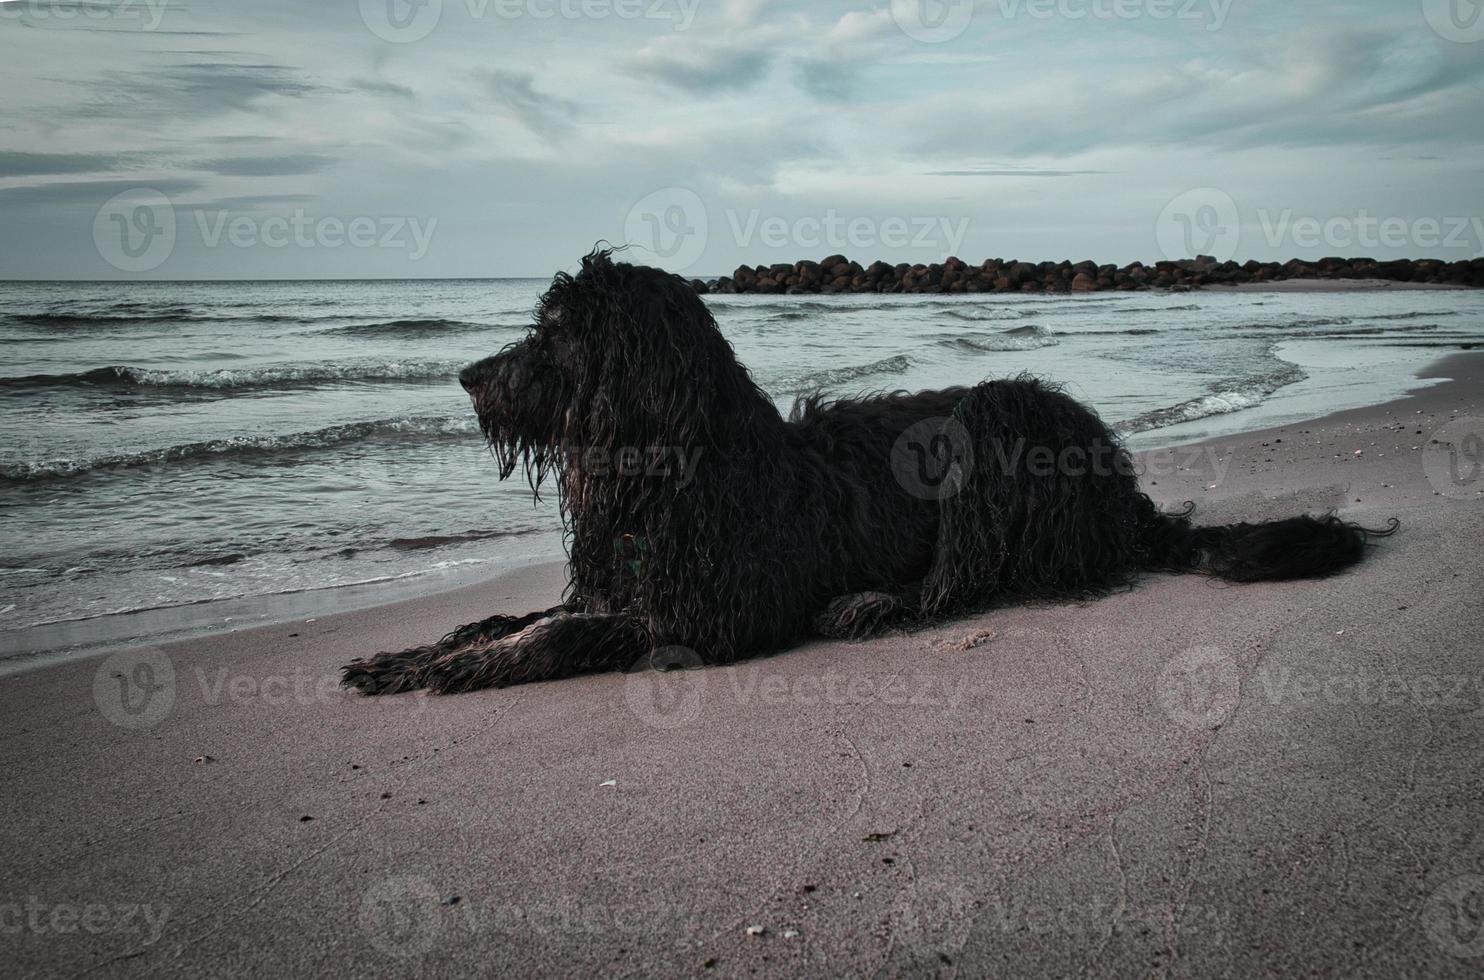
393,673
561,645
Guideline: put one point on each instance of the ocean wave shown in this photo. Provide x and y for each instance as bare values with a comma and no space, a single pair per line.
1409,316
834,377
1018,339
73,322
1228,396
982,314
242,447
126,315
1303,323
1347,332
418,329
1187,308
107,316
844,305
125,377
1131,332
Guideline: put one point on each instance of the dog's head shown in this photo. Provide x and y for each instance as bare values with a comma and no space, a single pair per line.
619,356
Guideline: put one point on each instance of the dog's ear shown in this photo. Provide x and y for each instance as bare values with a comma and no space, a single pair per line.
655,365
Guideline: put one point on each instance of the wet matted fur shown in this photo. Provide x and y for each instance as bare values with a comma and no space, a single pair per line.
699,517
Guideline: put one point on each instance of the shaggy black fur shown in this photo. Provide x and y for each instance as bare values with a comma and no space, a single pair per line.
699,517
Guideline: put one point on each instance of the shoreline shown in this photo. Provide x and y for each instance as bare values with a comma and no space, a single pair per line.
1332,286
1179,772
40,646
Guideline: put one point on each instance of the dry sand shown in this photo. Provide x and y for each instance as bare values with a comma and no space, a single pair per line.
1189,779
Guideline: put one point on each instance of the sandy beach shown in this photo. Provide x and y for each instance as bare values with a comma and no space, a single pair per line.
1188,779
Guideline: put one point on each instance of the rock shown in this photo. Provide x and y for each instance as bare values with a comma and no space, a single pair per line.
837,274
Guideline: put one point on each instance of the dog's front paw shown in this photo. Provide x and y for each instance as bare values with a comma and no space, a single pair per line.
856,616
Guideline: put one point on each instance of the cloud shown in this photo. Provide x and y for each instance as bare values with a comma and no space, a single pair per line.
18,164
380,86
702,68
93,193
279,166
1014,173
542,114
195,89
792,106
831,81
744,12
1331,88
259,202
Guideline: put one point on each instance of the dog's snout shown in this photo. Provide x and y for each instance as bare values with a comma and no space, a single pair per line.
472,375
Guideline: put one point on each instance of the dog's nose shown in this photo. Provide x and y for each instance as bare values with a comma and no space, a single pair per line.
469,377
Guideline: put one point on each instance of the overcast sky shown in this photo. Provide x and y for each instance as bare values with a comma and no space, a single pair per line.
284,138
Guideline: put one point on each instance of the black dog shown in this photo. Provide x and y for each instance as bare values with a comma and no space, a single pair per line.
698,517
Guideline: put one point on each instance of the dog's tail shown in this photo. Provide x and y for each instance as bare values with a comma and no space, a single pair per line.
1295,548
